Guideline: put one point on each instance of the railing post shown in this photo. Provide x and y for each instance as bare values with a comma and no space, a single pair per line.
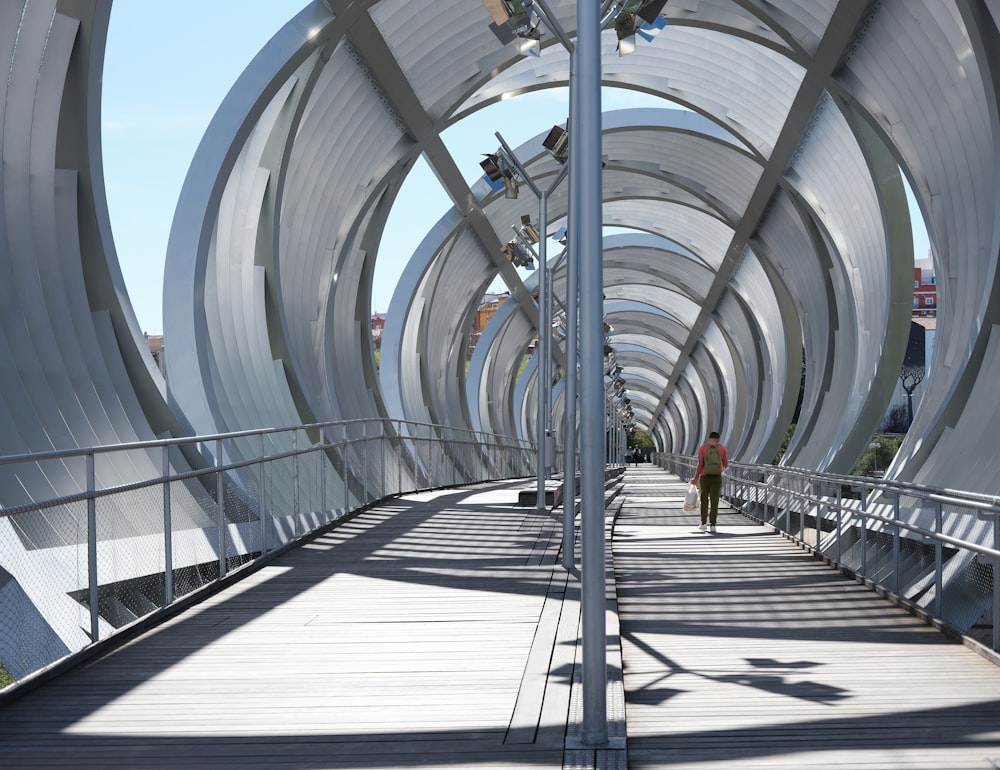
262,501
364,467
939,563
295,482
864,534
323,464
220,500
346,472
819,520
895,544
168,530
840,522
93,593
996,584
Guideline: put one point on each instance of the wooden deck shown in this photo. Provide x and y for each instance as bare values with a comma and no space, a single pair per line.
440,631
743,651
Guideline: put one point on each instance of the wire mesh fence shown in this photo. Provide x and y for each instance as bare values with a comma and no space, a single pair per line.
128,530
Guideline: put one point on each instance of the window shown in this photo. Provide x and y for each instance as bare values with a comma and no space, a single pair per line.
929,301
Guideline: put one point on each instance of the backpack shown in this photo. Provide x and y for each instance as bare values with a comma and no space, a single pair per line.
712,465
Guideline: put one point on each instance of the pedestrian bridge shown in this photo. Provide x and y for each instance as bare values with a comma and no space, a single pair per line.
439,629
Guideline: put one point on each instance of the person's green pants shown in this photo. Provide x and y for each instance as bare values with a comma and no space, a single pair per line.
709,488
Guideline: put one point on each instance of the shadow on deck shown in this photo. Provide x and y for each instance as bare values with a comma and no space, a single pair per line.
438,630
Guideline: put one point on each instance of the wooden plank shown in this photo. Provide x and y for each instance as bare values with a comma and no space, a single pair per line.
743,651
439,631
400,638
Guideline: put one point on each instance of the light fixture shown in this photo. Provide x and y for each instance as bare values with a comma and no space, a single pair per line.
557,143
529,37
498,167
527,230
517,253
650,10
627,21
492,168
516,18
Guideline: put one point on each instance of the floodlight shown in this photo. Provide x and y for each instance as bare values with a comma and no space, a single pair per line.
498,10
557,143
650,10
503,11
529,46
517,254
625,21
516,18
492,168
528,230
628,18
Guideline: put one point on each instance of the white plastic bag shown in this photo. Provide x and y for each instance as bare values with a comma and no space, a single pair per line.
691,498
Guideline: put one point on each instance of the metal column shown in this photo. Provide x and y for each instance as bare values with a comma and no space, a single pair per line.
586,233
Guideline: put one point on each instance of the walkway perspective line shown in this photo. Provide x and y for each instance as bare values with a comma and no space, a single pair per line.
440,630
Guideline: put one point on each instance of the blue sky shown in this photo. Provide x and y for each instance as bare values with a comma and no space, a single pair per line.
161,90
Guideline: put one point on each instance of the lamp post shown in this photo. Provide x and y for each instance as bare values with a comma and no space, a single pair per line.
585,232
585,281
543,420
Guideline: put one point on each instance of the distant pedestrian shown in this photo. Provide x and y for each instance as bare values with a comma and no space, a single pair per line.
712,461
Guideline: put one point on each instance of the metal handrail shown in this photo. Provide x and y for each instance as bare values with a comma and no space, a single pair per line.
238,505
878,510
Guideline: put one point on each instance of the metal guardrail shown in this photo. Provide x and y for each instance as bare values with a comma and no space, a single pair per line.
130,529
937,550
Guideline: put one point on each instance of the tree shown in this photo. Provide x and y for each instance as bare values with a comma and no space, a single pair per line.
910,377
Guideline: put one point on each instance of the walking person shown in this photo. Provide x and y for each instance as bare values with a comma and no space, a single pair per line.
712,461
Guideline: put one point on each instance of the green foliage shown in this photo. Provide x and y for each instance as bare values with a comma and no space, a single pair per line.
378,359
784,445
6,678
878,455
640,438
524,363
